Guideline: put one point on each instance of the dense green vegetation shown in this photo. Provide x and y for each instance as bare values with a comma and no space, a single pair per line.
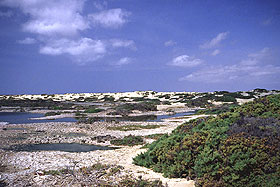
128,140
134,127
108,98
52,105
52,113
154,136
240,147
82,118
126,108
218,109
202,99
93,110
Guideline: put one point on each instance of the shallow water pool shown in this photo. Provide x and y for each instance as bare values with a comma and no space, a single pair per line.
24,117
67,147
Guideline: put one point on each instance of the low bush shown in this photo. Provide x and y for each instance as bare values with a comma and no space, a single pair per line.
166,103
127,108
154,136
260,90
199,102
226,98
79,114
128,140
217,110
93,110
52,105
140,183
134,127
52,113
239,147
109,98
96,175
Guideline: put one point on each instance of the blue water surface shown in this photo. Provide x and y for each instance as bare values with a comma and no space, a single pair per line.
160,117
67,147
24,117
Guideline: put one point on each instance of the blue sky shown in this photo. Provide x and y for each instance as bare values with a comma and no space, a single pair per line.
62,46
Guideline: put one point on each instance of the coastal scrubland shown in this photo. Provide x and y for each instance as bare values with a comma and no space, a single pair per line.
226,139
239,147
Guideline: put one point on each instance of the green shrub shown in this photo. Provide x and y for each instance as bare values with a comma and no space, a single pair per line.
127,108
79,114
140,183
260,90
52,113
240,147
218,109
109,98
154,136
134,127
128,140
166,103
226,98
93,110
200,101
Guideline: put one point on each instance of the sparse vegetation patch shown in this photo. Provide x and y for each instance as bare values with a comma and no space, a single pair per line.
128,140
134,127
52,113
93,110
154,136
96,175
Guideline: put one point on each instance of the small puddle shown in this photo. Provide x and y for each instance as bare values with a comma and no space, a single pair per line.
14,129
67,147
161,117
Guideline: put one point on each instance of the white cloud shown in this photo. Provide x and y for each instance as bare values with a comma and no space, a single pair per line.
123,43
215,52
57,25
6,14
249,62
185,61
123,61
100,4
254,58
83,50
261,54
27,41
52,17
112,18
216,74
215,41
169,43
211,74
249,68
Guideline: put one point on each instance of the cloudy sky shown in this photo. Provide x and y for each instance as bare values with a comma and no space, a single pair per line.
61,46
